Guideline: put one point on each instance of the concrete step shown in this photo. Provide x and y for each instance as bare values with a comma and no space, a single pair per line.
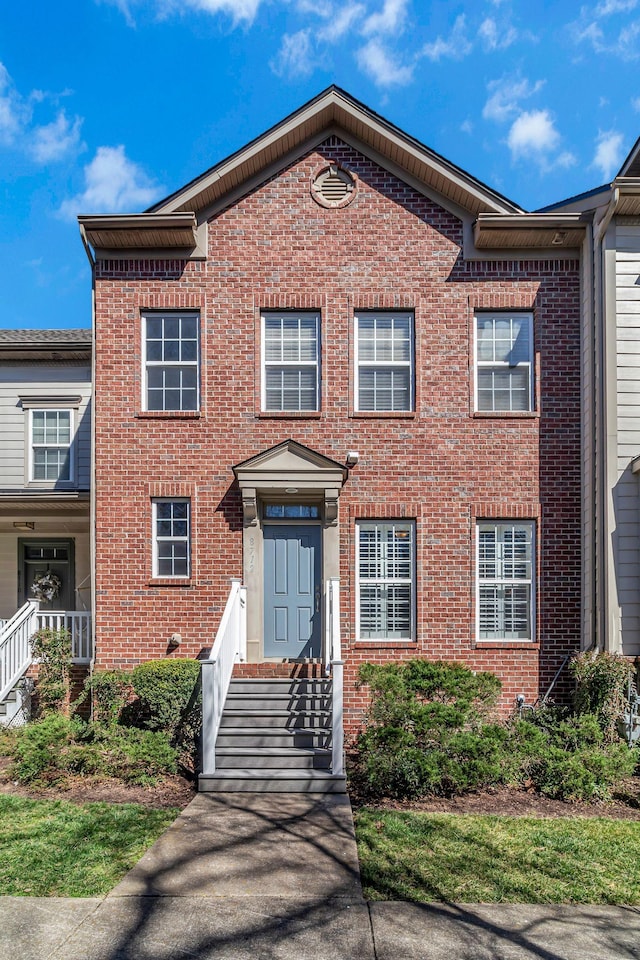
271,781
272,737
277,719
273,758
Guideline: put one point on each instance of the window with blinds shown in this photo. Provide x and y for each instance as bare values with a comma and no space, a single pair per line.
386,580
384,365
505,580
291,362
504,360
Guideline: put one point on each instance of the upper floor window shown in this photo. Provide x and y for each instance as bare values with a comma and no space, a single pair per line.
384,362
171,538
171,358
290,362
51,445
386,579
505,580
504,361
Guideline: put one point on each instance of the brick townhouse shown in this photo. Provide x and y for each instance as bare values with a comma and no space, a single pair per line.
337,358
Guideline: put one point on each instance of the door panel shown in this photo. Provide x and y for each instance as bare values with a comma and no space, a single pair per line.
292,591
40,556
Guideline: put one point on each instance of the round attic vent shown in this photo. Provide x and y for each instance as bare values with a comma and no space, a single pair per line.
333,186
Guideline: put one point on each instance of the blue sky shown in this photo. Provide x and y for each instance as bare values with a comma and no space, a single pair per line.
109,105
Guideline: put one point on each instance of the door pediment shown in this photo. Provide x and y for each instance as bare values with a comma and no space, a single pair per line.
288,470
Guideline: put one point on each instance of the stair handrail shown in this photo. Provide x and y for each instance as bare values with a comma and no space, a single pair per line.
15,646
229,647
336,666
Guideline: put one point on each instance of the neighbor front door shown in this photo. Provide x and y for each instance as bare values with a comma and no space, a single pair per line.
292,591
40,556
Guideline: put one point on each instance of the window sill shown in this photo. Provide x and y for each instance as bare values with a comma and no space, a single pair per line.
168,415
506,414
170,582
289,414
507,644
383,414
385,644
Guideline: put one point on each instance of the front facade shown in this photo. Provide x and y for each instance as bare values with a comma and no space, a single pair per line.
336,358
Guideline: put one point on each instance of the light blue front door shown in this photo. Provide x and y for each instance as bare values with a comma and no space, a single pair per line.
292,591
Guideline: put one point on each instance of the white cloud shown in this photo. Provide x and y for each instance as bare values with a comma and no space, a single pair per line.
238,10
295,56
609,153
608,7
635,104
619,41
384,70
389,20
113,184
56,139
533,136
506,94
456,47
342,22
494,38
13,111
466,127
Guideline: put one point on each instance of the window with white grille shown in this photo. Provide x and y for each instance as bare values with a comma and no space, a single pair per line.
504,361
171,538
290,362
171,360
386,580
51,445
384,365
505,580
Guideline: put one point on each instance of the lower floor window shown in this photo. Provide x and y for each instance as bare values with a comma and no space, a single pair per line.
386,580
505,565
171,538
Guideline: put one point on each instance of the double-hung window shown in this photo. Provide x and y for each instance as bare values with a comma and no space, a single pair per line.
504,362
51,445
384,364
171,538
505,580
290,362
171,359
386,579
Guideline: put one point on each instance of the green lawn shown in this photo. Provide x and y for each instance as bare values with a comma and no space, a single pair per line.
53,848
485,859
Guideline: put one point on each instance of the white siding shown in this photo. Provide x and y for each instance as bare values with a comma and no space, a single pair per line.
626,492
40,379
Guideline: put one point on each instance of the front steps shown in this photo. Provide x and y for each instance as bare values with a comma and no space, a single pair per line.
275,736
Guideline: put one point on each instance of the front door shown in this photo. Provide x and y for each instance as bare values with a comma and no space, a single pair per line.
292,591
47,556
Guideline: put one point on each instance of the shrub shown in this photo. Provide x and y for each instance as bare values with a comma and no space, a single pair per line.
602,684
167,692
40,748
110,692
53,649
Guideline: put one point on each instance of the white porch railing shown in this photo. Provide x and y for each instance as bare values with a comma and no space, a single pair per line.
335,664
77,622
230,646
15,650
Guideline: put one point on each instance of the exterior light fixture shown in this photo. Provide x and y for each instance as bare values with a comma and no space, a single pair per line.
352,458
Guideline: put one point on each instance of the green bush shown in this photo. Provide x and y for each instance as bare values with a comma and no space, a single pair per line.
51,749
53,649
110,692
167,692
602,684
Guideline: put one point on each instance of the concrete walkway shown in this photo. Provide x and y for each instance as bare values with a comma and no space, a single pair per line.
275,877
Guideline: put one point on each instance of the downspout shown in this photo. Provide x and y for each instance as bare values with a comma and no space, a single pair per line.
601,453
92,471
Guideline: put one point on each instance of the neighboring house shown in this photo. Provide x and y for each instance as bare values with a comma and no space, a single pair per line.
611,409
45,391
336,367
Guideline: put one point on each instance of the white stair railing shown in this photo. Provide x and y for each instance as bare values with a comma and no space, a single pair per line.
77,622
15,649
333,653
230,646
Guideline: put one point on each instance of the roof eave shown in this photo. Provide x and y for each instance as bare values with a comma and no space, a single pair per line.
535,231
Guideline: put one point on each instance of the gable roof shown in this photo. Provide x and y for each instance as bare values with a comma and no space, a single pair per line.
45,344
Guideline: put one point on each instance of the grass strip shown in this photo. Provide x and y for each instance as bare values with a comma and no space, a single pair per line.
54,848
427,857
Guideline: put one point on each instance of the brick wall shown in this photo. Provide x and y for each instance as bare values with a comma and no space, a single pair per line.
389,248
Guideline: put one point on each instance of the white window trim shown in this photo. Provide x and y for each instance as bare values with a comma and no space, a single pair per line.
531,583
168,363
48,408
385,364
412,581
154,538
264,363
493,315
